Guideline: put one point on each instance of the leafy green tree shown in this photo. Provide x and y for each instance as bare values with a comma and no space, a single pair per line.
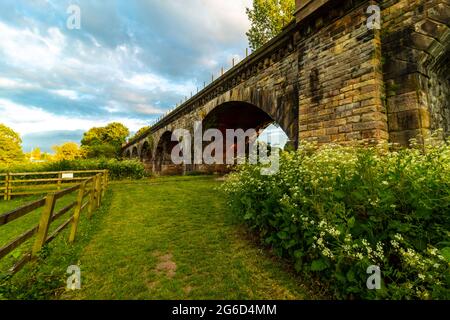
105,141
68,151
268,17
10,146
140,131
36,154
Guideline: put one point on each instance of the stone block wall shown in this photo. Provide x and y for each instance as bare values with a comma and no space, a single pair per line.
340,76
415,39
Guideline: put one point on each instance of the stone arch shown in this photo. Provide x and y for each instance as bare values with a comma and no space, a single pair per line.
162,157
436,66
135,153
128,154
146,155
249,115
235,115
146,152
280,105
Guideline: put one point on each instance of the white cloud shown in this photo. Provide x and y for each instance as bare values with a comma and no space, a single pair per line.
31,119
148,81
70,94
109,63
28,48
6,83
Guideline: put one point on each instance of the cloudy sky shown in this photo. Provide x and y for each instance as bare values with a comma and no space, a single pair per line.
131,61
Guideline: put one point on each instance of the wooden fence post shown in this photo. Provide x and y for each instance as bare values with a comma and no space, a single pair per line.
6,194
77,212
59,180
44,223
99,189
105,182
92,197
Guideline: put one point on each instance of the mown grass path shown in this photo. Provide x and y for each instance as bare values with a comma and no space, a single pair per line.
174,238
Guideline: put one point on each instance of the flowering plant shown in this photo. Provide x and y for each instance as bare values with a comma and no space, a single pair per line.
335,210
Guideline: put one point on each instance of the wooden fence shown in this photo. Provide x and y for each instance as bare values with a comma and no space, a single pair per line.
31,183
93,188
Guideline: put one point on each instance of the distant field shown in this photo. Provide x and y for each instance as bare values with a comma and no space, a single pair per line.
165,238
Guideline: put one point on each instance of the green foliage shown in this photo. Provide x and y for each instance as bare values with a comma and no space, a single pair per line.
105,141
10,146
268,17
336,210
118,170
140,132
68,151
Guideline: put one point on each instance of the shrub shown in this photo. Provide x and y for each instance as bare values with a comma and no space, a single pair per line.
127,169
336,210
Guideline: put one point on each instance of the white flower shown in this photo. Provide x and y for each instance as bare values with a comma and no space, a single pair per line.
398,237
395,244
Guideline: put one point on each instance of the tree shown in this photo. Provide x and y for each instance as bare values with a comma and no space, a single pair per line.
140,131
105,141
68,151
10,146
268,17
36,154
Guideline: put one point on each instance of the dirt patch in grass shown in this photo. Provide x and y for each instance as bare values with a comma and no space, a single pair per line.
165,265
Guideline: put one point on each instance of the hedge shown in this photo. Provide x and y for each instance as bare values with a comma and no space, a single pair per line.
127,169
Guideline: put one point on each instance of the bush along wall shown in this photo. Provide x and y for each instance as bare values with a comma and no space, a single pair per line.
336,210
126,169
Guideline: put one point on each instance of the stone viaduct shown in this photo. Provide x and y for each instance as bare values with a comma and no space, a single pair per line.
328,78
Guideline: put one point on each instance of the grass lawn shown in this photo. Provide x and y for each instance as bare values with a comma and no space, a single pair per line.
165,238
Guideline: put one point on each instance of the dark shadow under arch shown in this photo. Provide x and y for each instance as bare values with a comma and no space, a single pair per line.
162,161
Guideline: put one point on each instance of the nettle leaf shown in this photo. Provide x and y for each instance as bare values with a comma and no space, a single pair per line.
339,195
248,216
351,222
298,254
351,275
290,244
319,265
340,277
445,252
283,235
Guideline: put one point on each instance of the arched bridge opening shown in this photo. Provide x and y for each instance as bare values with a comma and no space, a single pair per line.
163,163
231,119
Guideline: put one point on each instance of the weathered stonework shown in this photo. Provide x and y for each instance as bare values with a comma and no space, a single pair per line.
416,46
329,78
340,78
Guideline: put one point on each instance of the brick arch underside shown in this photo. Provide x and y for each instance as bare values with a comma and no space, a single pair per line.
281,108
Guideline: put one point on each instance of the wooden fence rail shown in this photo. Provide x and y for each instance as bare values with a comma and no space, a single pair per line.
20,184
93,188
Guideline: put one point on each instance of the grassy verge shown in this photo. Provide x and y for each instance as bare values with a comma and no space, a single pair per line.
176,240
164,238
